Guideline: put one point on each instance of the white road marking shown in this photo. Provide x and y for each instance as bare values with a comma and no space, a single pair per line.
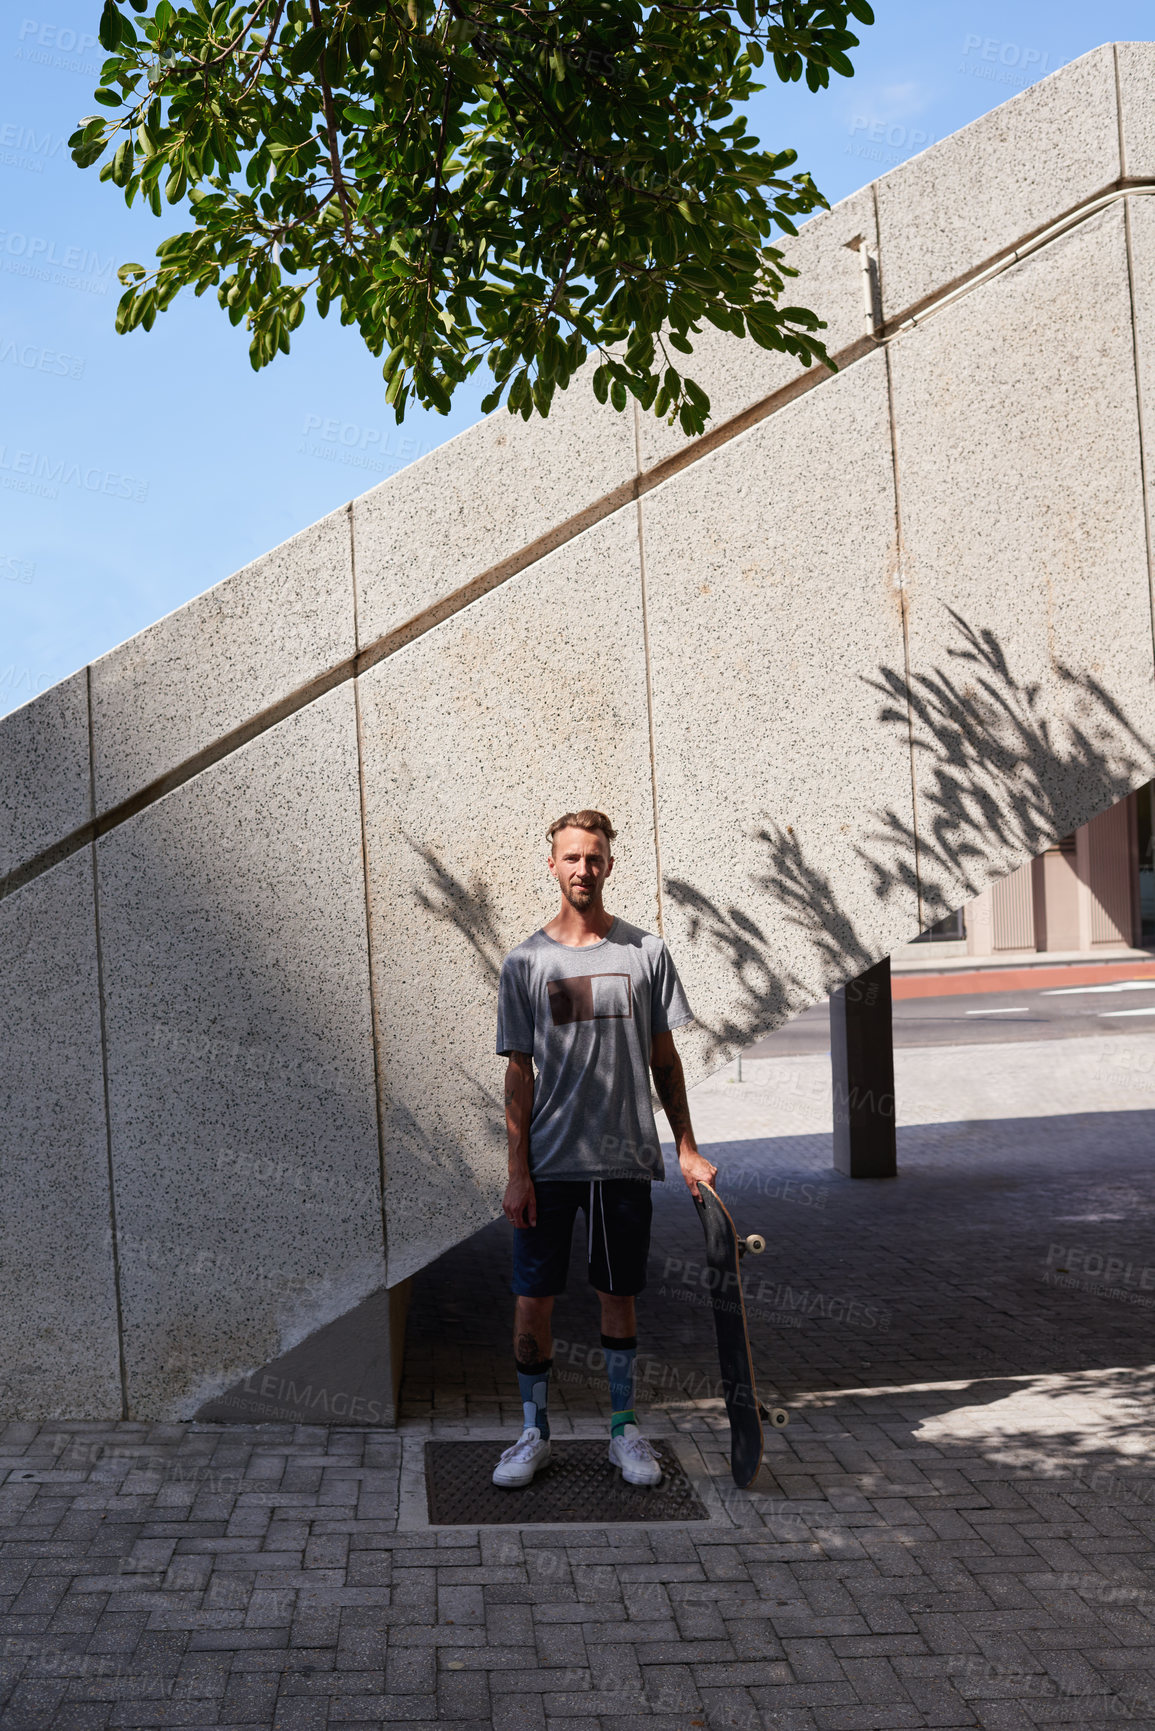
1081,991
1015,1010
1147,1010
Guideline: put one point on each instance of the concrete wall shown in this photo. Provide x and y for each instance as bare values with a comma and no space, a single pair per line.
876,639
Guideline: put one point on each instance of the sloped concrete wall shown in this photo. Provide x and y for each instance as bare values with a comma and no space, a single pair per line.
873,641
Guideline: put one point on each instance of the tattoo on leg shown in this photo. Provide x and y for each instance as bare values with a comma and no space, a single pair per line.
526,1350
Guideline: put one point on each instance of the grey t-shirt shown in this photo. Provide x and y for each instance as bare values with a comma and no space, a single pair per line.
587,1014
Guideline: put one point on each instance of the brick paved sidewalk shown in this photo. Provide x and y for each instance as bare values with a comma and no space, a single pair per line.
957,1528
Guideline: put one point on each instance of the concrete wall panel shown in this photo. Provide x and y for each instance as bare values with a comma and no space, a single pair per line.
492,491
1002,178
527,704
1136,62
57,1291
173,690
45,785
775,628
1141,215
735,374
1018,459
241,1084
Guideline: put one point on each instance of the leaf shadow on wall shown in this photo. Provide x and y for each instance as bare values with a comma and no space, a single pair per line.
999,780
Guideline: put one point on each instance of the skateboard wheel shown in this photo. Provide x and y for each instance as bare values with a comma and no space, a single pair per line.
755,1243
779,1417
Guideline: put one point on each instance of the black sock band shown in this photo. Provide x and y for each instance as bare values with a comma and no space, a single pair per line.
620,1343
539,1368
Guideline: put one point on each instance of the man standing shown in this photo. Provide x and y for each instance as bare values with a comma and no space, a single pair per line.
590,1003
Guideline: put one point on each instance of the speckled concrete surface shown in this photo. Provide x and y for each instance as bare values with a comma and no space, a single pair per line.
44,773
1033,708
58,1338
243,1124
782,615
491,491
253,640
1141,224
1004,176
1136,62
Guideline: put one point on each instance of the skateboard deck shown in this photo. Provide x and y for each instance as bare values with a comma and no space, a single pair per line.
724,1250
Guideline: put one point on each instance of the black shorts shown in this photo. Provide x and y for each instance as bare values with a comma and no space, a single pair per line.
617,1217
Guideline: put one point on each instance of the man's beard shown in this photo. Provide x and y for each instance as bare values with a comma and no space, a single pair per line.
579,896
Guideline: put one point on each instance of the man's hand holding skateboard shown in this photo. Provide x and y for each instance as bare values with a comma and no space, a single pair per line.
696,1169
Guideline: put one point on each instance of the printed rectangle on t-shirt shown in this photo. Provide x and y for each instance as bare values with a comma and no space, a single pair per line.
589,998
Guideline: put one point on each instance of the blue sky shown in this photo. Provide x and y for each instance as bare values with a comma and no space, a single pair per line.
181,464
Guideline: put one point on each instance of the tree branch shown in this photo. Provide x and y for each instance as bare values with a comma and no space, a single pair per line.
331,128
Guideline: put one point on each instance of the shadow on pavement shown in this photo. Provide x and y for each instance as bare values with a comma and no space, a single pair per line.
1017,1247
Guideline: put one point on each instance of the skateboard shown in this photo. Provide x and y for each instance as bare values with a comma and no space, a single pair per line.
724,1252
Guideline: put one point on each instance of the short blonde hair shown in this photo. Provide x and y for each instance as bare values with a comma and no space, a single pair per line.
595,821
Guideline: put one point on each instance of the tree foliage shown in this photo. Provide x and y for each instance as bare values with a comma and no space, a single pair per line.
522,184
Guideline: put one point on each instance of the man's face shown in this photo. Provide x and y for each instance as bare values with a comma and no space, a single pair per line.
581,862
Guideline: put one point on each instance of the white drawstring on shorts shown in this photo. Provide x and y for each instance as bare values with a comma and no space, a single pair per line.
605,1235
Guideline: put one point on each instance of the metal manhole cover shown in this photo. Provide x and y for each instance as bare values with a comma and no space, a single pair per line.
578,1485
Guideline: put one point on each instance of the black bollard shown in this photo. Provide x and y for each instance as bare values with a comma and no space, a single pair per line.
862,1064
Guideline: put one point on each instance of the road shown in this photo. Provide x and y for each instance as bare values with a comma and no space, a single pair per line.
988,1018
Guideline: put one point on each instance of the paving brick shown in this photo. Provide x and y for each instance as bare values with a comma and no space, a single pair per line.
298,1713
512,1624
518,1713
884,1580
231,1640
249,1700
730,1708
82,1716
670,1689
411,1671
31,1706
462,1694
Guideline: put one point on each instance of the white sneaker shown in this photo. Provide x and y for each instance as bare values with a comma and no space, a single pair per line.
518,1464
639,1464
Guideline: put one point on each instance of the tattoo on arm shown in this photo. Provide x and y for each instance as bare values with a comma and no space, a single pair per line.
518,1104
670,1082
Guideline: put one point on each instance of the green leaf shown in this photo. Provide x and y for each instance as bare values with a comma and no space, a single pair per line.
307,50
84,155
122,163
110,26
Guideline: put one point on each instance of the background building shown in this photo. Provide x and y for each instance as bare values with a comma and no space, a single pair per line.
1092,892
